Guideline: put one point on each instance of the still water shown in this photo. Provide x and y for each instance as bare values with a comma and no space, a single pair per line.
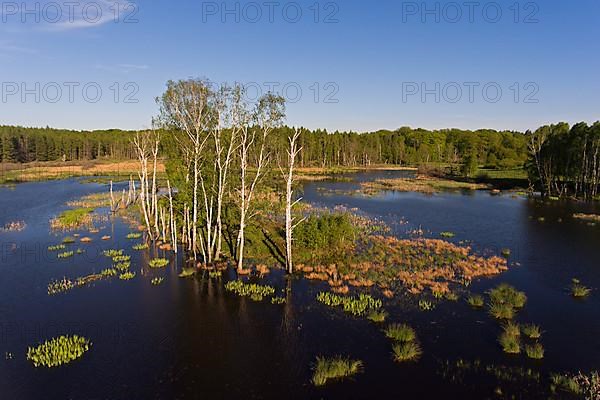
189,339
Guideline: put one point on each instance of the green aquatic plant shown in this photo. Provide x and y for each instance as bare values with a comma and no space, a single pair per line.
158,263
532,331
157,281
535,351
406,351
451,296
357,306
66,254
127,276
512,329
426,305
334,368
510,344
80,251
140,246
109,272
187,272
113,253
377,316
134,235
278,300
121,258
122,266
215,274
506,294
502,310
475,300
578,290
564,382
506,252
447,235
255,291
400,333
68,240
60,286
57,247
58,351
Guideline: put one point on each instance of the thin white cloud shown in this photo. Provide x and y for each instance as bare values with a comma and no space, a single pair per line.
92,14
10,47
123,68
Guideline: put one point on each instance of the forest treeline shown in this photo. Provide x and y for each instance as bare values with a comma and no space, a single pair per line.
319,148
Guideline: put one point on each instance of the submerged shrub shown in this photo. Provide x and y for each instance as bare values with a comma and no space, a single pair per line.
334,368
158,263
58,351
400,333
406,351
532,331
535,351
506,294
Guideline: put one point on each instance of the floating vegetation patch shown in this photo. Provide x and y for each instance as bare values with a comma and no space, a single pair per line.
447,235
420,184
140,246
587,217
122,266
134,235
60,286
80,251
187,272
334,368
121,258
73,219
126,276
112,253
278,300
57,247
585,385
109,272
58,351
157,281
66,254
68,240
253,290
506,294
355,305
506,252
502,310
158,263
426,305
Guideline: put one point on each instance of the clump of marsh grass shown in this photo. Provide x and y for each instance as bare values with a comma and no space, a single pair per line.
512,329
57,247
334,368
357,306
60,286
506,252
134,235
158,263
66,254
255,291
58,351
532,331
510,344
187,272
502,310
447,235
578,290
426,305
157,281
215,274
400,333
140,246
506,294
377,316
406,351
535,351
112,253
451,296
68,240
127,276
475,301
278,300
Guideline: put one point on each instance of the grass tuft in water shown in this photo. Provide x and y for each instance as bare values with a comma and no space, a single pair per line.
66,254
578,290
127,276
512,329
532,331
535,351
334,368
60,286
140,246
157,281
377,316
510,344
134,235
357,306
502,310
400,333
475,301
158,263
406,351
506,294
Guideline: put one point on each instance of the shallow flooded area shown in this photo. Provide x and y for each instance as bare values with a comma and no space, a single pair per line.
190,338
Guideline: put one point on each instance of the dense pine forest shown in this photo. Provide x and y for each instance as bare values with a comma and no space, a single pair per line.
404,146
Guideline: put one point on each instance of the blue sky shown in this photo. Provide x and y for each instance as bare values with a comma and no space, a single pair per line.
359,65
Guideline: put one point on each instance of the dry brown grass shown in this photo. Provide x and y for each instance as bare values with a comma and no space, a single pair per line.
421,184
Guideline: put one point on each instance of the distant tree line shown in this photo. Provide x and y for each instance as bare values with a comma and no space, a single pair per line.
565,161
319,148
